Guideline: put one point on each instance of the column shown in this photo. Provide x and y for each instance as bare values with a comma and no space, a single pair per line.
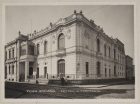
26,69
27,48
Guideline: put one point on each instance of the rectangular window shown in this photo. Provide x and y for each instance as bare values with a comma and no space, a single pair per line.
13,52
115,71
9,70
45,72
45,47
6,55
5,72
105,50
9,54
98,69
105,72
37,73
109,72
38,49
114,54
109,51
98,45
87,69
13,69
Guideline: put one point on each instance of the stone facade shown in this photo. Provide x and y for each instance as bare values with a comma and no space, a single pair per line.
73,47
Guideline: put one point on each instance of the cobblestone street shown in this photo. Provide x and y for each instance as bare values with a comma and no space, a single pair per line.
71,92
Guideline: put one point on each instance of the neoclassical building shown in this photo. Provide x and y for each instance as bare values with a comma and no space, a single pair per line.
73,47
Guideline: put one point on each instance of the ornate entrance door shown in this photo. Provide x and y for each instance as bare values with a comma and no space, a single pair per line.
61,68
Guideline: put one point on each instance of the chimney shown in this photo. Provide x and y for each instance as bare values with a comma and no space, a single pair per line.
74,11
51,24
34,31
19,33
81,12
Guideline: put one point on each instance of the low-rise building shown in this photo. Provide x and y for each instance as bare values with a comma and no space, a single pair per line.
73,47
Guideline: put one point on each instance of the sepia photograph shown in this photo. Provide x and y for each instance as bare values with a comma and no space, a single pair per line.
69,52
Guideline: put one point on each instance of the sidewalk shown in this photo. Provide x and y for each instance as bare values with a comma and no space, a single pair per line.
118,85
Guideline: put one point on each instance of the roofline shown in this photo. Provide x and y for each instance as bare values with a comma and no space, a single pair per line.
68,20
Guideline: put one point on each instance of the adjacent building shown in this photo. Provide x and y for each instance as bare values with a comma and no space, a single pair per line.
129,68
73,47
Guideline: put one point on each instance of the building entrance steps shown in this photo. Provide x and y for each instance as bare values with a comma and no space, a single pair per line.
42,80
32,81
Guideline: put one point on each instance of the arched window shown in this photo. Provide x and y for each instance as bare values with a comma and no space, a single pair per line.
61,68
45,47
61,41
98,45
98,68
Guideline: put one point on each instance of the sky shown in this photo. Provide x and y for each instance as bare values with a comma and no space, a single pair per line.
117,20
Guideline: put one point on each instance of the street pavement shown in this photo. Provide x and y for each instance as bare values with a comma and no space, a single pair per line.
121,91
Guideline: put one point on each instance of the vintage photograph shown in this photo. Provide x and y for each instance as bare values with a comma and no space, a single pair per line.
69,52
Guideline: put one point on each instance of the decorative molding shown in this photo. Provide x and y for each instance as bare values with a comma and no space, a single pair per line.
60,29
68,34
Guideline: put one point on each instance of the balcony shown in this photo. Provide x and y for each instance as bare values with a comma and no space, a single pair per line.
11,60
61,52
27,57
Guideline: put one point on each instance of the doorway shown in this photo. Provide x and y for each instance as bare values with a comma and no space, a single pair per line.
61,68
45,72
